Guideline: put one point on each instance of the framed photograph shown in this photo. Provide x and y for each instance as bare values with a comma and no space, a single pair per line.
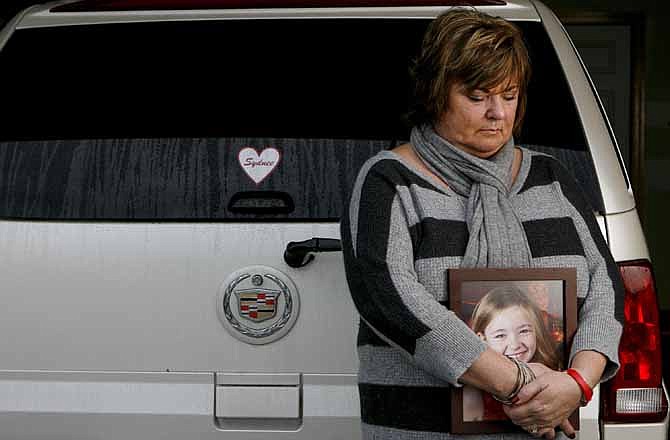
530,314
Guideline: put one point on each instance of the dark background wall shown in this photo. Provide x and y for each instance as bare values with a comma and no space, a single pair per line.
655,17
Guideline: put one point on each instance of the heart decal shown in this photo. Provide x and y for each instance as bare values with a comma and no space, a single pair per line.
258,166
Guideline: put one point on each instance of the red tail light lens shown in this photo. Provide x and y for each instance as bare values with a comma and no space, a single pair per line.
636,392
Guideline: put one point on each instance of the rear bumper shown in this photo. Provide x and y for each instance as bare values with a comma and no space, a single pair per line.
81,405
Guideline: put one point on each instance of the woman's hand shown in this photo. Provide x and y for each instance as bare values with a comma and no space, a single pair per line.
539,369
546,402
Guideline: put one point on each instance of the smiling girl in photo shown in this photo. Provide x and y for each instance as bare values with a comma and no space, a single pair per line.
512,325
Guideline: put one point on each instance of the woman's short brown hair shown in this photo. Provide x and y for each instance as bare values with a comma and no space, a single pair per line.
471,48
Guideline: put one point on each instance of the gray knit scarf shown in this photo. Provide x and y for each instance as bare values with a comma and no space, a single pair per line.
497,238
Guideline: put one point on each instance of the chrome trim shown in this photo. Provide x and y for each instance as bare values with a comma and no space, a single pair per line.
514,10
80,392
250,331
81,376
8,29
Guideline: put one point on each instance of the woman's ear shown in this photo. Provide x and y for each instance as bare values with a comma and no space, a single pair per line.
481,336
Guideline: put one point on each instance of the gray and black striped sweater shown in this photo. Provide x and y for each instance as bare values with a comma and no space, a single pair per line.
401,231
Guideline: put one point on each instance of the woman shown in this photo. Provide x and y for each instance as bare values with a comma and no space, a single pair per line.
462,195
511,324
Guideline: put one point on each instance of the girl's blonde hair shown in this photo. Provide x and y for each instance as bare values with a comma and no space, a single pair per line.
504,297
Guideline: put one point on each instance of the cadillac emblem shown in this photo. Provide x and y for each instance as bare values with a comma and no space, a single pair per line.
258,304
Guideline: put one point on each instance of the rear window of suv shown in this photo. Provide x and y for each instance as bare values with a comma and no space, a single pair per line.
225,120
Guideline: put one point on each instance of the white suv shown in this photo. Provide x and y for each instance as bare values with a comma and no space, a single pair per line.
169,169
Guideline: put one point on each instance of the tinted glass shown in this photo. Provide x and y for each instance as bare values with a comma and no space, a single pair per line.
161,121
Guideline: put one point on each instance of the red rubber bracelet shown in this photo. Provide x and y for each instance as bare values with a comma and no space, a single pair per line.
587,392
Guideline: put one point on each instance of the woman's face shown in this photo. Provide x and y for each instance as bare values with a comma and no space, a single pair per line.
511,332
479,122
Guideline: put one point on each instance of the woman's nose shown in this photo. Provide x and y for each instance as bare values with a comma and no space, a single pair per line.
495,109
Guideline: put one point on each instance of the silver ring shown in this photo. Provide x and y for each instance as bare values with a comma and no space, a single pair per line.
532,429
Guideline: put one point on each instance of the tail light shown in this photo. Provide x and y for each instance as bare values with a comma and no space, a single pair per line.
636,394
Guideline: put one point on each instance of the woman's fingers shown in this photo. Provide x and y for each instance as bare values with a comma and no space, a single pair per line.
567,428
527,414
545,404
547,433
550,433
528,406
529,391
546,401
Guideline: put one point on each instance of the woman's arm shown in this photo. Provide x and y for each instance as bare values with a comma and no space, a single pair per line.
378,238
600,313
591,365
594,351
491,365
